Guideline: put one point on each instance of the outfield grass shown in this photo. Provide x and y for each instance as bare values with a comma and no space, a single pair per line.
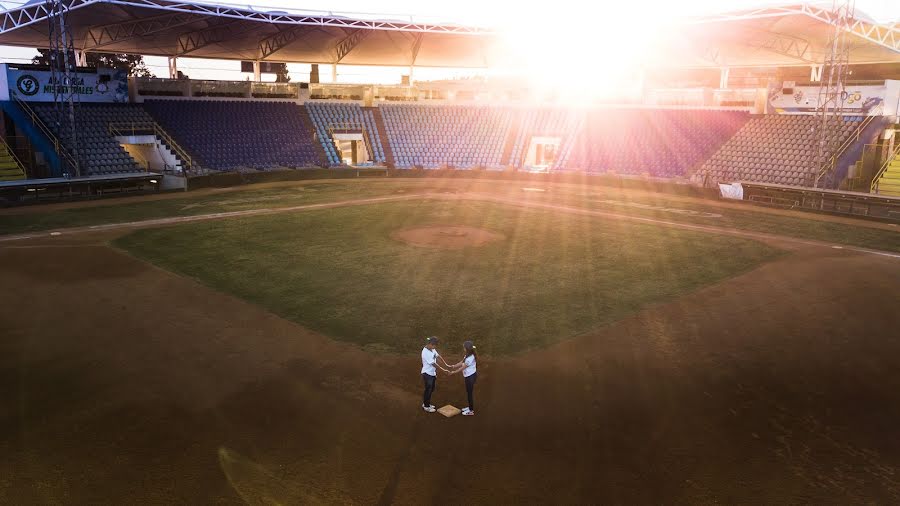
805,226
338,272
748,217
241,199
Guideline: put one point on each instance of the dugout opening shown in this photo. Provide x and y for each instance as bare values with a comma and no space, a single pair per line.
542,153
352,148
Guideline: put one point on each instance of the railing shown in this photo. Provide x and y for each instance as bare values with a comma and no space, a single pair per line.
275,90
829,166
58,146
153,128
154,86
12,153
210,88
895,152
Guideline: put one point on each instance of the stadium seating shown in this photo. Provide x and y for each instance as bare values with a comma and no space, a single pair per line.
770,148
658,142
238,135
458,136
326,115
546,122
98,150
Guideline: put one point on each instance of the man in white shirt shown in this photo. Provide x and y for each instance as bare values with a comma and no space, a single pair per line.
430,357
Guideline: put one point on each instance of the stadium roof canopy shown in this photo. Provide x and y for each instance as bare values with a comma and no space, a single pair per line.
768,36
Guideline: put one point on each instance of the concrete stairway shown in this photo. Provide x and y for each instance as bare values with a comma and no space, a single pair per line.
10,168
382,132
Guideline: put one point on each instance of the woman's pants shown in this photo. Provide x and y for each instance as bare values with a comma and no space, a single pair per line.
470,386
429,388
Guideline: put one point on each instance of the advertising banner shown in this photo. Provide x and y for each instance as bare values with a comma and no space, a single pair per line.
787,97
104,85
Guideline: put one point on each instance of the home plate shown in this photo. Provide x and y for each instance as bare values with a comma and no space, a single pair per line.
449,411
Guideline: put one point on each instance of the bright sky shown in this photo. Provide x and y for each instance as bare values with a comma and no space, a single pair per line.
529,22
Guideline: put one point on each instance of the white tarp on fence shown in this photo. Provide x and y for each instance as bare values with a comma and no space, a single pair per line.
731,191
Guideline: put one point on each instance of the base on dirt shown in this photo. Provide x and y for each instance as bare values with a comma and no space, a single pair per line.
449,411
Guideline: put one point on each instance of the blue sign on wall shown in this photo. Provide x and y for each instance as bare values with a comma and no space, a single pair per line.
106,85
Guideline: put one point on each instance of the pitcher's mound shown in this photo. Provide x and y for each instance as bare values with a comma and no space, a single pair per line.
446,237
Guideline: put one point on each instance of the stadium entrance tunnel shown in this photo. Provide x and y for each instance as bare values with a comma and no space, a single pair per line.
542,153
352,148
446,237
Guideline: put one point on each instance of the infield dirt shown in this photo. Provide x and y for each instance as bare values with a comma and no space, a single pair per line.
129,384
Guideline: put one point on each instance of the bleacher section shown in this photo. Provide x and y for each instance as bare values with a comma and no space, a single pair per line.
458,136
238,135
344,116
546,122
98,150
658,142
709,145
10,169
773,148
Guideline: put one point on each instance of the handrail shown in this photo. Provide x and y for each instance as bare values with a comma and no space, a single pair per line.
895,152
12,153
36,120
830,164
132,128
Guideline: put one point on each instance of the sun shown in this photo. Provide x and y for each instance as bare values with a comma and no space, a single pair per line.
599,51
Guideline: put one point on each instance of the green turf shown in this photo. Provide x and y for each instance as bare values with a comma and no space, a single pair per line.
801,225
748,217
240,199
338,271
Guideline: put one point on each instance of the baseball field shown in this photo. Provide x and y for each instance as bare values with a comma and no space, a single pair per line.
260,345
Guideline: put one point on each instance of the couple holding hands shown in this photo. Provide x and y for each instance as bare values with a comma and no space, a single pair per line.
430,357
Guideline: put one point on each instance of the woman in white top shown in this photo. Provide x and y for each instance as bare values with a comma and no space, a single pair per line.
467,366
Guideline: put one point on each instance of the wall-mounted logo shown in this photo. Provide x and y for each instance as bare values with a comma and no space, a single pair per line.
102,88
28,85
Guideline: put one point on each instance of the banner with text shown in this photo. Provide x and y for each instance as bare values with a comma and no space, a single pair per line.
106,85
872,100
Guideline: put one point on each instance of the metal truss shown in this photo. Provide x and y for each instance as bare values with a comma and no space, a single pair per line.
100,36
830,106
64,81
25,15
884,35
34,13
785,45
887,36
414,52
191,41
348,43
713,55
273,43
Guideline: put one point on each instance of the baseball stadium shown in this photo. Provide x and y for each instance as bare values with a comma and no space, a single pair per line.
671,235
